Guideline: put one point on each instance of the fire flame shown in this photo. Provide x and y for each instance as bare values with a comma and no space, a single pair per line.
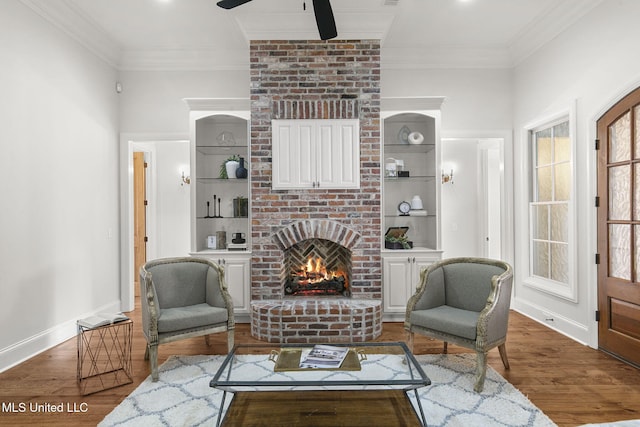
315,271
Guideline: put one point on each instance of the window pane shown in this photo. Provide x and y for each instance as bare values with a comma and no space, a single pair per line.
620,251
543,145
561,143
637,253
636,201
541,222
637,139
620,139
559,262
563,182
619,193
560,223
541,259
544,184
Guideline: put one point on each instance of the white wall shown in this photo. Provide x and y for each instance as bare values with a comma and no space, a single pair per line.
58,184
590,66
153,101
460,201
477,100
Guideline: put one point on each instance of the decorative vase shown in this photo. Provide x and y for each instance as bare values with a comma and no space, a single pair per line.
241,171
231,166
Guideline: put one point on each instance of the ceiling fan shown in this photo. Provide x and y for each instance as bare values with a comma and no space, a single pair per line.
322,9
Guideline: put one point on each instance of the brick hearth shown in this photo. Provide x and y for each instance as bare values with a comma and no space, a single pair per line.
334,79
316,320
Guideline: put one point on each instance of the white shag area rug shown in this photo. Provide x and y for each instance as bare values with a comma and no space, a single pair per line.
182,396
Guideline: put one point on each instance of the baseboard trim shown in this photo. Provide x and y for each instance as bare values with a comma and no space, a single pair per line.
24,350
567,327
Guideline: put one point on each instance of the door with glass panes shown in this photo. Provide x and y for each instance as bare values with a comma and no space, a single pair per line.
619,229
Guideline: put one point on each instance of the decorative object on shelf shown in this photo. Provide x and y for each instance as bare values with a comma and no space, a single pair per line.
418,212
447,177
241,171
229,166
416,203
394,168
240,207
390,169
404,208
415,138
208,215
403,174
211,242
185,179
221,240
403,135
238,238
226,138
396,238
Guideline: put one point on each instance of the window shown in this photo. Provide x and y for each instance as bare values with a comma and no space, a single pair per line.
550,209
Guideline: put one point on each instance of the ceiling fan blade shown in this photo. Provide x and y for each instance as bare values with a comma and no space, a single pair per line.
230,4
324,19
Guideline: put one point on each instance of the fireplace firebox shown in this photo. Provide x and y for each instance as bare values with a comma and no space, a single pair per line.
317,267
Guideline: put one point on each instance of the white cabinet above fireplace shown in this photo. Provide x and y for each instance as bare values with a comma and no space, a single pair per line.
322,154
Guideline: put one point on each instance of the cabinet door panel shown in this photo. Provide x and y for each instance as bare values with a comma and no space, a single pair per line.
237,278
306,156
311,153
339,154
397,273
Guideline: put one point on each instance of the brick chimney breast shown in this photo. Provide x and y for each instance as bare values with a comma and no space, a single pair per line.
309,79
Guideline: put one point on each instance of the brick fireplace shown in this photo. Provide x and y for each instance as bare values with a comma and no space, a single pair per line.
336,79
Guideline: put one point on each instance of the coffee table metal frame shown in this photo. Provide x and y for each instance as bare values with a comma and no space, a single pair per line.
416,378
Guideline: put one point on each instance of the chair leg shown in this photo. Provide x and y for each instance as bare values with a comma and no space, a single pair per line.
503,355
153,356
230,340
481,371
410,341
146,352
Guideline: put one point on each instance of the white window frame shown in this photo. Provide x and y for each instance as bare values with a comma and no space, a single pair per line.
568,290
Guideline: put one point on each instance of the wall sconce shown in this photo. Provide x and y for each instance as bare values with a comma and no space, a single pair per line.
185,179
447,177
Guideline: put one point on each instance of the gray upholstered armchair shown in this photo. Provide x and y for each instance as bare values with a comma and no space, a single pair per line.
464,301
183,298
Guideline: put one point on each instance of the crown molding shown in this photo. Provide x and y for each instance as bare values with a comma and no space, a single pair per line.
66,17
557,19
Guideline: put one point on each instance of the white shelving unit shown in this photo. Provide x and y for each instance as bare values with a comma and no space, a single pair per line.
219,129
401,267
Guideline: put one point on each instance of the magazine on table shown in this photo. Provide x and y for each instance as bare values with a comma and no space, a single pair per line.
324,356
102,319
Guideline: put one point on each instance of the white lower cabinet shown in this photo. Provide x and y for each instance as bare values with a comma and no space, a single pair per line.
401,275
237,273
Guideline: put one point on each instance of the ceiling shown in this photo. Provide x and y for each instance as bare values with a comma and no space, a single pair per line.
196,34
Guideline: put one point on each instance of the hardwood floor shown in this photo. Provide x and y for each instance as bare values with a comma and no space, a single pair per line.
571,383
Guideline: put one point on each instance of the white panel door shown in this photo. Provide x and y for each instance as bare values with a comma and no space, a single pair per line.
339,154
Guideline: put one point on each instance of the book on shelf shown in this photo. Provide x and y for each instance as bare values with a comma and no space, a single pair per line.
324,357
102,319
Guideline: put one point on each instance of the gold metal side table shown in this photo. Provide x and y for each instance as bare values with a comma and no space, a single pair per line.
104,356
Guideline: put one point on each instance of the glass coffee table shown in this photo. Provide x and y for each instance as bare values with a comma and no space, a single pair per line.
275,367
